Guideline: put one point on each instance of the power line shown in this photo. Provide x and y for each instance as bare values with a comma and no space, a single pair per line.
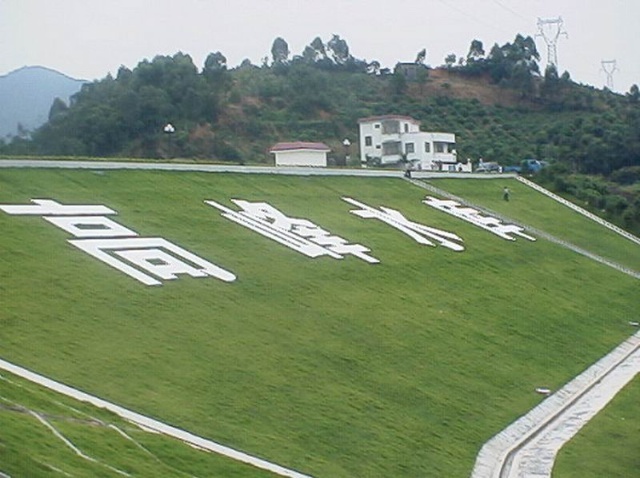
510,10
473,17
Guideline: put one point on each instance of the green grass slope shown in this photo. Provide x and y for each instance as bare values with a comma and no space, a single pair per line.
331,367
30,448
533,208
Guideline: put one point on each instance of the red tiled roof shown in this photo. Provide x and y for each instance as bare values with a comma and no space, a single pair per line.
369,119
299,145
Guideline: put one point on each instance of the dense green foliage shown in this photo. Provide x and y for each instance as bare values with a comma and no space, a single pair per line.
331,367
499,105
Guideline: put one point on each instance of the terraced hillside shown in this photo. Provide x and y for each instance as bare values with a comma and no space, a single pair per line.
333,367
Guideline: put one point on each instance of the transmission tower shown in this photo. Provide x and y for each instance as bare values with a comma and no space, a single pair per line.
609,67
551,30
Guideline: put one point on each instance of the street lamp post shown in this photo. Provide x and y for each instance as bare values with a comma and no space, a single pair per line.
347,144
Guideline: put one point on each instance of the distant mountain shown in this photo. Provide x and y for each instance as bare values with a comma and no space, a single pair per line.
26,96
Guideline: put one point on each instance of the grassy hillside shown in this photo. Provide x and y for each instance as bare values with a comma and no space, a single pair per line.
112,445
530,207
332,367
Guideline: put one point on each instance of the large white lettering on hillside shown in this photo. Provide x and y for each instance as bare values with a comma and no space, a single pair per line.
300,235
474,216
146,259
420,233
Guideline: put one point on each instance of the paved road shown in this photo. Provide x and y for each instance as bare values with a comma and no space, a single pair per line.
232,168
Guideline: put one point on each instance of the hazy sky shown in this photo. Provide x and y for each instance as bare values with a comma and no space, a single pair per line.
89,38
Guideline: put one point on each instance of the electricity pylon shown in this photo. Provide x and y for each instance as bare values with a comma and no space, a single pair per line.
551,30
609,67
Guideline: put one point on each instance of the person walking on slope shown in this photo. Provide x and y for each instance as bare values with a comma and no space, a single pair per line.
506,193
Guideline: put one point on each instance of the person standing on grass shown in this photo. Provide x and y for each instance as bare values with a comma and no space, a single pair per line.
506,193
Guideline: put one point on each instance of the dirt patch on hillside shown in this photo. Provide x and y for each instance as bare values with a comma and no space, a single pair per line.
443,82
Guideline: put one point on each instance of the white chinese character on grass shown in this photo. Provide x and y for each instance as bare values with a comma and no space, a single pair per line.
144,259
425,235
300,235
489,223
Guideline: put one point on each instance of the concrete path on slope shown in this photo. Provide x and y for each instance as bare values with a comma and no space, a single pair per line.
536,458
147,423
528,447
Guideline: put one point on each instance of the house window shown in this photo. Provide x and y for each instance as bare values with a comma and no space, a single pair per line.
391,148
368,140
427,147
390,127
406,127
409,148
377,146
377,126
439,147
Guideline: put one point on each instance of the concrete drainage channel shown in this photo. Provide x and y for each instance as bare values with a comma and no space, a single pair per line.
528,447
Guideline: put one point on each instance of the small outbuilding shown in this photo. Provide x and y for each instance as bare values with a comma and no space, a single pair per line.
301,153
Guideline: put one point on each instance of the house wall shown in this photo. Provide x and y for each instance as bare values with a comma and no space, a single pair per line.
378,131
377,142
431,151
301,158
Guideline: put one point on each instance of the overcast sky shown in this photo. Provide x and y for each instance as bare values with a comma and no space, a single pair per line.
89,38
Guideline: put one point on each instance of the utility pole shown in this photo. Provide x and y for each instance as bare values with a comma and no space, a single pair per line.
609,67
551,30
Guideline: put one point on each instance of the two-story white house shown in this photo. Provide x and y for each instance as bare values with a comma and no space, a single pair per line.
390,139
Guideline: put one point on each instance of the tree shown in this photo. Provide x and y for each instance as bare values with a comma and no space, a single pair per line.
634,94
58,107
219,79
215,65
339,50
124,74
315,51
421,57
246,64
279,51
309,55
374,67
398,82
514,64
551,73
476,52
450,60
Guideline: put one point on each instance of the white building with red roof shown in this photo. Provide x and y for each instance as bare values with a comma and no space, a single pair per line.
301,153
391,139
